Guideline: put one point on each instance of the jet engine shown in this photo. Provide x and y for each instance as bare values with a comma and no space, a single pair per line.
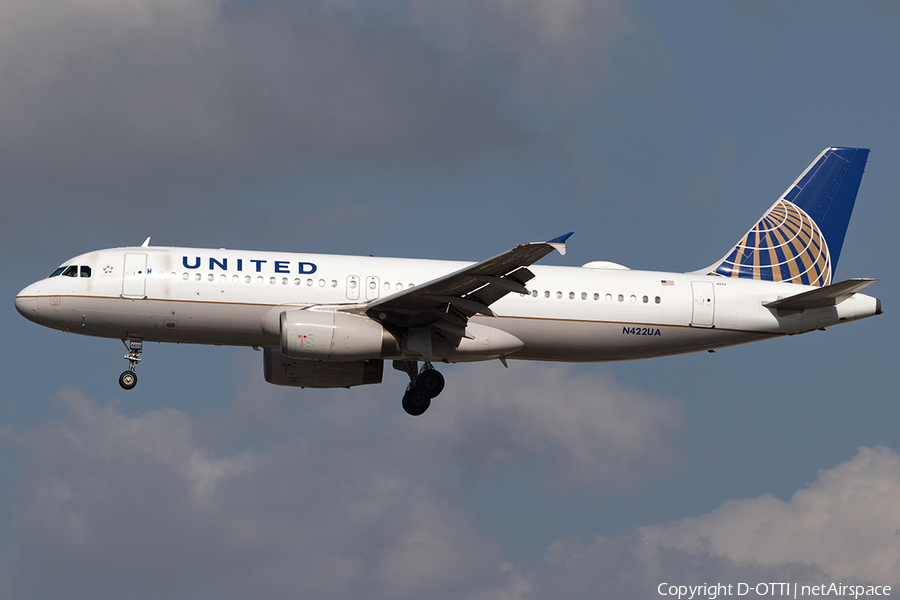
334,336
282,370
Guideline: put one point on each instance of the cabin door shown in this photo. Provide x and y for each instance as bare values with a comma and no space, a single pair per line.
704,304
134,278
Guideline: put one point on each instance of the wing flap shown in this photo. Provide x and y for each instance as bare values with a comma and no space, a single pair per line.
829,295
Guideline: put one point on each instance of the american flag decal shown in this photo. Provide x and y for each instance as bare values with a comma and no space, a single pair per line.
667,282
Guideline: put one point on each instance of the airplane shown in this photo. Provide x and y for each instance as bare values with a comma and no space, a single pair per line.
327,321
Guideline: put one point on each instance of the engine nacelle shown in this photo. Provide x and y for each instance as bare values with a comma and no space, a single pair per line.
334,336
282,370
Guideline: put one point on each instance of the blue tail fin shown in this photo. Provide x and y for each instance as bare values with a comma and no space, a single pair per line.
799,239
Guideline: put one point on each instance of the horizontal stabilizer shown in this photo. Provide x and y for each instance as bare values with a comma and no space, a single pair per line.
830,295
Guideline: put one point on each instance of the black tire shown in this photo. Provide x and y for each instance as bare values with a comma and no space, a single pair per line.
128,380
415,403
430,383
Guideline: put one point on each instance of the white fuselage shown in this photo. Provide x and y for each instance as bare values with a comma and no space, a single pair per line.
230,297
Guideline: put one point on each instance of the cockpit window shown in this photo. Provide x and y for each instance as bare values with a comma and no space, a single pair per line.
72,271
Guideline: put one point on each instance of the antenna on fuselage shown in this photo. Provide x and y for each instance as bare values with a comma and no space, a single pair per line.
146,243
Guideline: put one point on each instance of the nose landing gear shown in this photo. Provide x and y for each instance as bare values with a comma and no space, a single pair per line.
128,379
423,386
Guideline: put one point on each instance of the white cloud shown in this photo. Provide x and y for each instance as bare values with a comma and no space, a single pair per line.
846,523
327,494
137,506
842,527
341,495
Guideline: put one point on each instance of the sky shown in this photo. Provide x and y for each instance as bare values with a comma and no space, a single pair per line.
658,131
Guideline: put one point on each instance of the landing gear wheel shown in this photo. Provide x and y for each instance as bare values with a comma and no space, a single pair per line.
415,403
128,380
430,383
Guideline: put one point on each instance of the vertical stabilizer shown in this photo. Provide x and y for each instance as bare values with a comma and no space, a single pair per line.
800,238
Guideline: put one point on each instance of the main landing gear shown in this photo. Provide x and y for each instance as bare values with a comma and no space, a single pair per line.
423,386
128,379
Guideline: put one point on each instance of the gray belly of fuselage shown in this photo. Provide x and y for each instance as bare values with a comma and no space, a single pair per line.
597,341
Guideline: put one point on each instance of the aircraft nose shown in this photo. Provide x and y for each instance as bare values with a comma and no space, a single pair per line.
27,302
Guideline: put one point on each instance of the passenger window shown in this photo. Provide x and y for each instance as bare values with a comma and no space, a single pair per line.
534,293
71,271
645,299
621,298
547,294
558,295
584,295
57,272
596,296
86,272
658,299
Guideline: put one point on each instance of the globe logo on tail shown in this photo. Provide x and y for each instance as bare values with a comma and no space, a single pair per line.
785,245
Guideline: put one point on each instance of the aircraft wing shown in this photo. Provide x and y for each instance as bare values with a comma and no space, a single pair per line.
829,295
447,302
